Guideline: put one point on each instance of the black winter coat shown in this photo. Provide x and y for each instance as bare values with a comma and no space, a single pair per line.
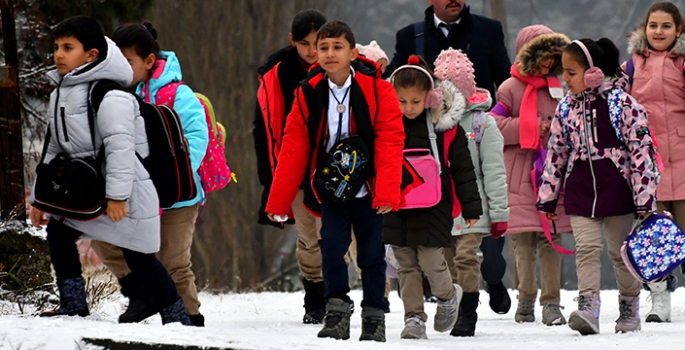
432,227
481,38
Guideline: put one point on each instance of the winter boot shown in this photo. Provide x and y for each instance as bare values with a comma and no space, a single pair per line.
197,320
525,312
585,320
314,302
175,312
373,324
661,302
629,314
466,323
140,306
72,299
336,323
447,311
552,316
500,302
414,328
427,293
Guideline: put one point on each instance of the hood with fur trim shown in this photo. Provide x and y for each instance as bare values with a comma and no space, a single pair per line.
454,105
638,44
540,48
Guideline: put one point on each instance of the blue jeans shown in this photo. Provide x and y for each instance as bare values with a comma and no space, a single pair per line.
337,221
494,265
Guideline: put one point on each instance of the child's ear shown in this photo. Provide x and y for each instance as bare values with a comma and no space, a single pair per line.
355,53
290,38
679,31
92,55
150,61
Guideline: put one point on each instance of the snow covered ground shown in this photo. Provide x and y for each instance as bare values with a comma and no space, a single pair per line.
273,321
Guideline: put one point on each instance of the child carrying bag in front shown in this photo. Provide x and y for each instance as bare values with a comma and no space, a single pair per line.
654,248
428,167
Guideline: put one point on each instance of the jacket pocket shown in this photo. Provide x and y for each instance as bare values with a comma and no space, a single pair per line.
674,153
518,173
64,124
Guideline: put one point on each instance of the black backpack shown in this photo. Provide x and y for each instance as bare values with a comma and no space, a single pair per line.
169,161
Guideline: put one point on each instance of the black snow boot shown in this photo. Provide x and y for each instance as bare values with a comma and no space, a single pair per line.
500,302
72,299
314,302
337,320
176,312
373,324
466,323
140,306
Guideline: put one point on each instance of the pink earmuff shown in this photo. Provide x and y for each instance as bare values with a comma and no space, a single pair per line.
594,76
434,97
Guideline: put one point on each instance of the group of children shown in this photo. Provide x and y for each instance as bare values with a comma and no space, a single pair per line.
503,171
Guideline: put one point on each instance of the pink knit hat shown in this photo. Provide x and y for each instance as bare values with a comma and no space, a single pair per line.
530,32
372,51
454,66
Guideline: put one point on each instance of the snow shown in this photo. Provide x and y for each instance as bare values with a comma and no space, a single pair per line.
272,320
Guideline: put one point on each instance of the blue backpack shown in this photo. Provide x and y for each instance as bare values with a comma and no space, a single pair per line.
615,111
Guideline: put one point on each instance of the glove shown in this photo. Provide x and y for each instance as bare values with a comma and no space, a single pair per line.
498,229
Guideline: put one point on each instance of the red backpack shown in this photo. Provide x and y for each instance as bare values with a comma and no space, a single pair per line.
214,172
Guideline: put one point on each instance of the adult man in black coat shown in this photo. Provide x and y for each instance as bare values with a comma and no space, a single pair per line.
449,23
481,38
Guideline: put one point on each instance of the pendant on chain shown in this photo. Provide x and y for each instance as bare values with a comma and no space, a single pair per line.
341,108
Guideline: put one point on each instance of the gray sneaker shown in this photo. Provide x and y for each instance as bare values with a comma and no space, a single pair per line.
552,316
525,312
447,311
414,328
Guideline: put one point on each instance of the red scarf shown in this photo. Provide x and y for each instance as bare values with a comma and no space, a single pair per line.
529,126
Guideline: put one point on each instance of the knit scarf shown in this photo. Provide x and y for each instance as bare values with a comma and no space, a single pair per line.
529,126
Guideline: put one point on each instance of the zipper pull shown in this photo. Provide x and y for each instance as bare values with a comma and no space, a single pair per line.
595,134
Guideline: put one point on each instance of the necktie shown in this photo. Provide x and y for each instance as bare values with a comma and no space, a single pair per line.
445,29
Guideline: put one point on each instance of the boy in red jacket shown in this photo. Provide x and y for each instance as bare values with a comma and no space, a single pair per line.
343,99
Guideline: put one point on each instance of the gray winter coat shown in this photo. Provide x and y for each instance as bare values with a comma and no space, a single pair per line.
121,128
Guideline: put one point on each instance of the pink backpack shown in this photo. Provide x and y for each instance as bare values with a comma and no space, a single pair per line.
214,172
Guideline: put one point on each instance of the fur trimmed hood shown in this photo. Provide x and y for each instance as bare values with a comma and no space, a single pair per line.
454,105
638,44
540,48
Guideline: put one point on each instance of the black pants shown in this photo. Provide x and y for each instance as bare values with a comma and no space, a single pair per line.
146,269
494,265
337,220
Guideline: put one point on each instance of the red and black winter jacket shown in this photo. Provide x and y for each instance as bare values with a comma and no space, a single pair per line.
278,79
373,102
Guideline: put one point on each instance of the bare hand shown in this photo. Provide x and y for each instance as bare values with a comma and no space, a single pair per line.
36,217
116,210
544,127
551,216
384,209
470,223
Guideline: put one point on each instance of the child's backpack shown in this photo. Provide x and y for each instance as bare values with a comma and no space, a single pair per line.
428,167
169,162
214,172
615,111
655,247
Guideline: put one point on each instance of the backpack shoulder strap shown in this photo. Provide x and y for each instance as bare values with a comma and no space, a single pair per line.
564,109
419,37
630,69
615,111
480,118
166,95
447,137
97,92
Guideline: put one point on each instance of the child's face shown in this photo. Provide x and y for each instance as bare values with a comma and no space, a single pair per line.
661,31
573,74
412,100
335,54
141,66
546,65
69,54
306,47
383,63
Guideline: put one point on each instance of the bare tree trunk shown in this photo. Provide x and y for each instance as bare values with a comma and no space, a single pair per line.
11,161
220,45
499,12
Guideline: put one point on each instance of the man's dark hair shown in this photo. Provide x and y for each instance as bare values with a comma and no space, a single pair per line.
86,30
335,29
